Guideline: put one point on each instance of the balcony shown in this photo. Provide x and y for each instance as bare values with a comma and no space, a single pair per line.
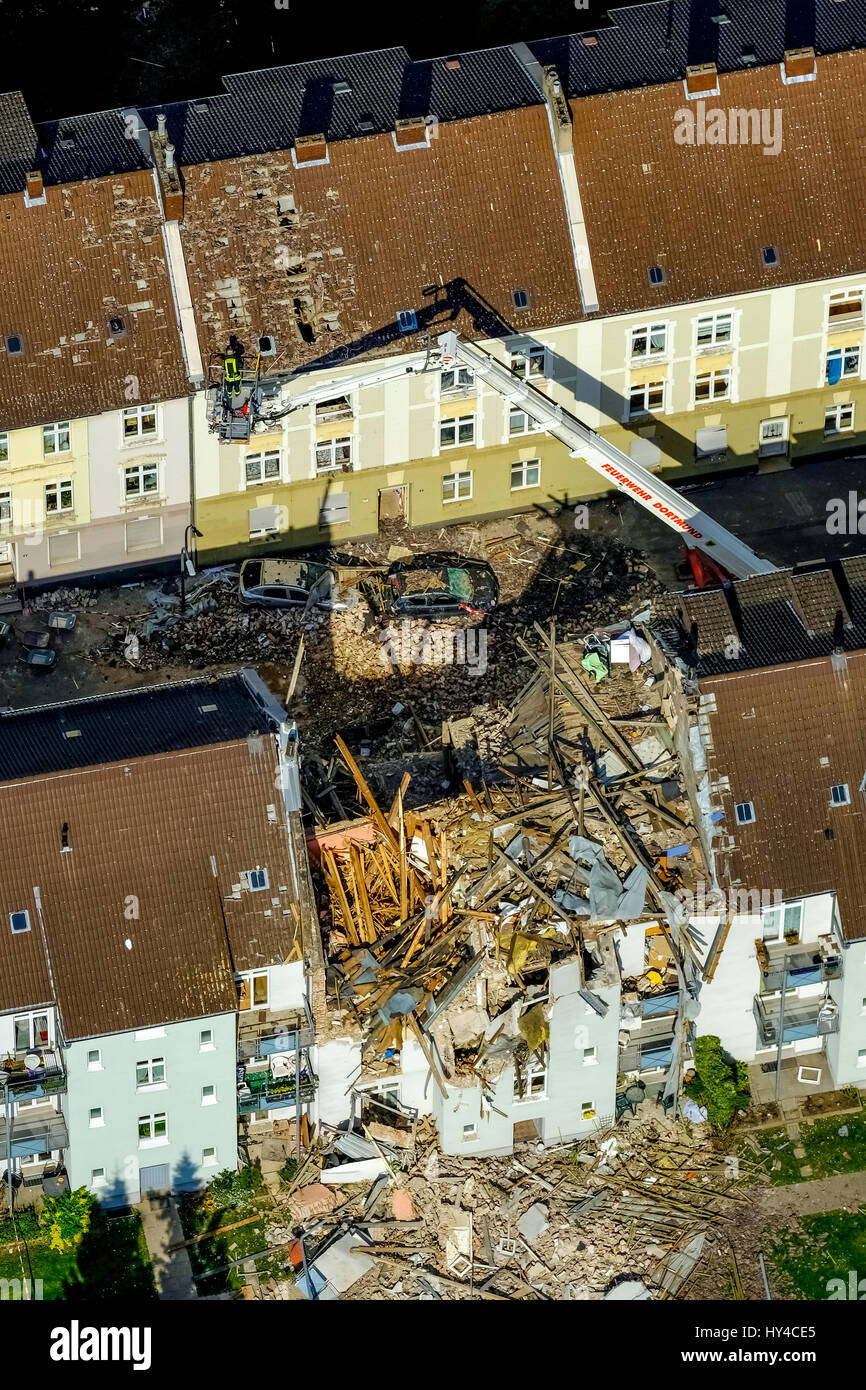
36,1131
786,966
274,1070
794,1019
27,1081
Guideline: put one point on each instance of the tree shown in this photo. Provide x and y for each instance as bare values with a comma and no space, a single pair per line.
720,1082
66,1219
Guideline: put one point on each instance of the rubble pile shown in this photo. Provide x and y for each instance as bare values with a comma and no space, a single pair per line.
636,1206
71,599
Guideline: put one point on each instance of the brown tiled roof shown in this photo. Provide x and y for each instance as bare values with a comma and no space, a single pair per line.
375,227
92,252
770,730
704,212
142,836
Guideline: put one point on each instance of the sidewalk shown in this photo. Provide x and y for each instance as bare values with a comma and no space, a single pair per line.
161,1224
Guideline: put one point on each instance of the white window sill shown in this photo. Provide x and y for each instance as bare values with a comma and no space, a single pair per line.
590,1061
153,1086
211,1047
97,1066
153,1143
96,1124
211,1100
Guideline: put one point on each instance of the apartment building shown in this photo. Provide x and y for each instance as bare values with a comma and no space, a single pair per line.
155,910
325,207
771,718
94,433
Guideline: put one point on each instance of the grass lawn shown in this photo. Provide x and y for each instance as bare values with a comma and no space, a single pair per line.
111,1263
827,1247
197,1217
827,1152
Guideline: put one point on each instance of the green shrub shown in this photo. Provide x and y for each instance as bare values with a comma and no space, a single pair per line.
66,1219
26,1226
720,1083
236,1188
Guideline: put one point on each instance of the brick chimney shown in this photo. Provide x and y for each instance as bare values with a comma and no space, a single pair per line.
410,133
799,65
167,172
701,80
34,191
310,149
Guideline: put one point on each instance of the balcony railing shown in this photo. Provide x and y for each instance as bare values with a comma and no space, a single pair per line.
274,1071
796,1019
787,968
33,1133
33,1082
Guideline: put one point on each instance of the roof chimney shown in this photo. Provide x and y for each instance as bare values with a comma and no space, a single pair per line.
167,172
701,80
799,65
160,125
310,149
169,157
411,133
34,191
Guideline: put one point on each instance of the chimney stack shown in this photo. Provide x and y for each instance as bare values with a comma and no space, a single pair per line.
160,125
410,133
701,80
169,157
310,149
35,189
799,65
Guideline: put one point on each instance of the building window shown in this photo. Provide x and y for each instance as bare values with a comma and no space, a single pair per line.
253,991
520,299
5,510
152,1128
407,321
842,362
644,399
95,1117
150,1072
844,306
861,1057
97,1177
139,421
58,496
337,408
256,880
779,923
713,330
770,255
94,1060
773,437
527,473
456,429
55,438
534,1082
470,1132
745,812
656,275
529,361
649,340
208,1095
4,448
208,1158
264,522
333,453
19,921
205,1040
839,418
840,795
30,1032
456,487
590,1056
456,379
520,423
713,386
262,468
587,1110
140,479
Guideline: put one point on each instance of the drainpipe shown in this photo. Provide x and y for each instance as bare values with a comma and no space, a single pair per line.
190,416
7,1110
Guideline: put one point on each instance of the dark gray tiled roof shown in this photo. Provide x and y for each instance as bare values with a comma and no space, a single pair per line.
768,620
128,724
17,142
642,45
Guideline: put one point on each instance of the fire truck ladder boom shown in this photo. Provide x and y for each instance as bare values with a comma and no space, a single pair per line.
698,530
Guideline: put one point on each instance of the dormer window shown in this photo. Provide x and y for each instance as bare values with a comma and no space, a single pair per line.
256,880
745,812
840,795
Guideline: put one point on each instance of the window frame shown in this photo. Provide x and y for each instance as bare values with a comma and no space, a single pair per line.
153,1139
4,446
713,378
781,928
325,416
521,361
138,413
457,387
647,387
264,456
646,330
95,1117
837,410
149,1066
459,422
33,1043
19,912
58,487
209,1093
532,426
714,318
247,980
330,447
141,469
840,787
838,299
843,352
54,431
456,478
523,465
749,820
531,1072
97,1053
